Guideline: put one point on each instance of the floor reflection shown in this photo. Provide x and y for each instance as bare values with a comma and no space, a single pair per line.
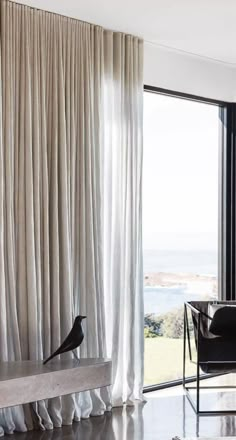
120,424
212,399
166,414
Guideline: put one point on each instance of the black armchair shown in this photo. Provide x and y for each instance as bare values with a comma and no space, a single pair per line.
214,354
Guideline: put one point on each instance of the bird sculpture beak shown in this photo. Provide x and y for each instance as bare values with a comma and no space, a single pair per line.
83,317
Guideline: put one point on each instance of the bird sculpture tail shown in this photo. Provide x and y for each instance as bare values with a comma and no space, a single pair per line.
60,350
48,359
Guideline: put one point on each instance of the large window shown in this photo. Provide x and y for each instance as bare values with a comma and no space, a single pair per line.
180,223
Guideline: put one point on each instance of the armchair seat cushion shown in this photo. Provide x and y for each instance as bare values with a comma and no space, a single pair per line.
224,321
215,368
217,354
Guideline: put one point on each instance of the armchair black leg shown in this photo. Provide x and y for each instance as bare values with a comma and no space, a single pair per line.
196,407
184,351
198,366
198,389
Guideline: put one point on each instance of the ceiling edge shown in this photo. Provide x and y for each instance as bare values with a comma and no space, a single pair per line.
192,54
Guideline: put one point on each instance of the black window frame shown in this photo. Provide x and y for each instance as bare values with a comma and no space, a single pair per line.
227,196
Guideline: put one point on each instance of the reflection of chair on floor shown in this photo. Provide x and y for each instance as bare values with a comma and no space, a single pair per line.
186,419
216,353
227,425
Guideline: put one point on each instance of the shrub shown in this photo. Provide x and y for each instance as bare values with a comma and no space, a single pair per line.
173,324
170,324
148,333
154,323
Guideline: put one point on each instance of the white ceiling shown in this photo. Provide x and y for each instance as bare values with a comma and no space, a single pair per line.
205,28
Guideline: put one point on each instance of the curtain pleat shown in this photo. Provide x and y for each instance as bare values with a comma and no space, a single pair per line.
70,203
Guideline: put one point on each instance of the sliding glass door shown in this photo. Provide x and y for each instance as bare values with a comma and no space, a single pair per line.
180,223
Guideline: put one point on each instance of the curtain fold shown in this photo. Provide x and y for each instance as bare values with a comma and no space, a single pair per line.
70,203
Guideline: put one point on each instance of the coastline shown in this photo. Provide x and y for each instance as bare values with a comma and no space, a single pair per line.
196,283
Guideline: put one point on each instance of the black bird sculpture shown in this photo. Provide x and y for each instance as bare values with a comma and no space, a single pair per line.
72,341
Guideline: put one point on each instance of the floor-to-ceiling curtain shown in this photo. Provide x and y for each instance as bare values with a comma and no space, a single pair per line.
123,274
71,125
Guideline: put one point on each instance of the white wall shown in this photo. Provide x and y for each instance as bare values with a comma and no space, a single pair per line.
167,68
178,71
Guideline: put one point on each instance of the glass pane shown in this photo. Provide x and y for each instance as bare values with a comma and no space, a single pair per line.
180,223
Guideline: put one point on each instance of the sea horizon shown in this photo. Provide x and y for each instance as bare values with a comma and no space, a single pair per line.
200,262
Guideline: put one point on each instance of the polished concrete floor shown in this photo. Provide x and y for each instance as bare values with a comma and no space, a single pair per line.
166,413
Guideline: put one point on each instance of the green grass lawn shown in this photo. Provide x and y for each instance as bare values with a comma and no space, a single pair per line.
163,360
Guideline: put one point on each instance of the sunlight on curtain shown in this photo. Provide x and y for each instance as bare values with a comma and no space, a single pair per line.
123,274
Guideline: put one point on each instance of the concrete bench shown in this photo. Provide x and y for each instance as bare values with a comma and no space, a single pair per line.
29,381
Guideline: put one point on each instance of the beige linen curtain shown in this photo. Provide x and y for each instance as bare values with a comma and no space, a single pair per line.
59,132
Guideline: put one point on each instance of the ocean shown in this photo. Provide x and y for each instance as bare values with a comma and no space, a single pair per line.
161,299
197,262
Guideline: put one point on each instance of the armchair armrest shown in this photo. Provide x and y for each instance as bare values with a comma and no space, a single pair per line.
192,308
